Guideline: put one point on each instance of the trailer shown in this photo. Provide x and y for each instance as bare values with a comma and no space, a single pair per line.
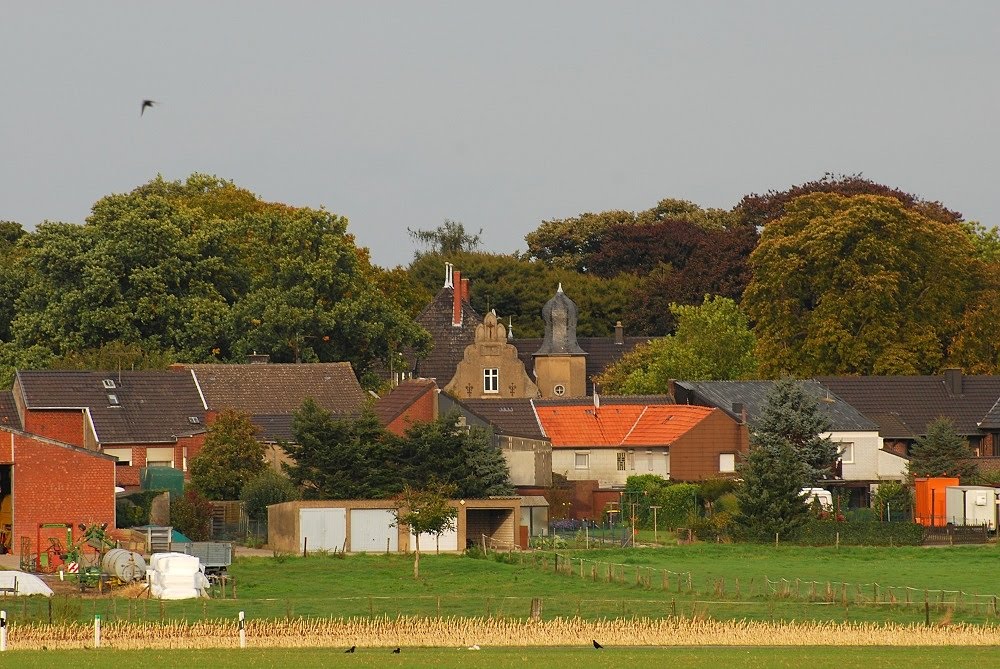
215,556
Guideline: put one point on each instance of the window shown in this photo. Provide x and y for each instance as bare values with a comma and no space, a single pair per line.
559,390
159,457
109,384
621,461
631,459
666,461
124,455
491,380
649,459
113,400
194,420
582,460
846,451
727,463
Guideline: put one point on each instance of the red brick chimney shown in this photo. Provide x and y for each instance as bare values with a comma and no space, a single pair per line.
456,312
465,290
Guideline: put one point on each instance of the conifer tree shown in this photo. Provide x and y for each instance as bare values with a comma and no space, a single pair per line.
941,452
793,415
769,498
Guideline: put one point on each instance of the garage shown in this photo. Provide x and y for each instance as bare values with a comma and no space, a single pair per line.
374,531
322,529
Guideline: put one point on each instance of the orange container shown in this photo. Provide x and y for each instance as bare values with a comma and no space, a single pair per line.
930,494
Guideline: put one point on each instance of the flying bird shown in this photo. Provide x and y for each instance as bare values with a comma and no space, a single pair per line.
350,650
396,652
597,645
146,103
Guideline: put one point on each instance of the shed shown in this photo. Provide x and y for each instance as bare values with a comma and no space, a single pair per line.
366,526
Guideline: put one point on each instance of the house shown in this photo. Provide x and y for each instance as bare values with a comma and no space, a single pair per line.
411,401
490,367
863,460
142,418
44,482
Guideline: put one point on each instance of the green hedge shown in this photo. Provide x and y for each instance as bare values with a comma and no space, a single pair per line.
858,533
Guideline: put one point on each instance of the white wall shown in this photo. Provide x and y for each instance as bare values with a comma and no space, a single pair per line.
603,464
866,446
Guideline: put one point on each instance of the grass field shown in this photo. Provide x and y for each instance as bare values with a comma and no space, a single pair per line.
511,658
451,585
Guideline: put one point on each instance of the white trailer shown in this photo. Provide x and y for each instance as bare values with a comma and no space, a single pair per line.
973,505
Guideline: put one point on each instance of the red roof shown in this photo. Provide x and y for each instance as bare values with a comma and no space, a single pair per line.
618,425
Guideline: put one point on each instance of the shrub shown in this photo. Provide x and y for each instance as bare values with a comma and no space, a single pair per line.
679,502
133,510
858,533
267,487
191,515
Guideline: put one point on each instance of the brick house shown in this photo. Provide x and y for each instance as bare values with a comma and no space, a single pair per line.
142,418
412,401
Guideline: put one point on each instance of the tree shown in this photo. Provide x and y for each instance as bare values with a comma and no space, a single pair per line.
941,452
266,488
713,342
447,238
191,515
425,510
342,458
857,285
230,456
792,415
769,498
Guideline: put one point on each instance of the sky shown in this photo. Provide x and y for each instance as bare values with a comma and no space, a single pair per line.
498,115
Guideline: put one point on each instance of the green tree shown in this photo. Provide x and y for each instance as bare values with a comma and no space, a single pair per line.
266,488
191,515
447,238
713,342
857,285
230,456
425,510
342,458
792,415
942,452
769,497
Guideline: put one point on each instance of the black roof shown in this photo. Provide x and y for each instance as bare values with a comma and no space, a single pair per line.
448,341
8,411
514,417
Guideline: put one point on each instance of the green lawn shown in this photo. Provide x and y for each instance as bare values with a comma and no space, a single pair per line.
451,585
515,658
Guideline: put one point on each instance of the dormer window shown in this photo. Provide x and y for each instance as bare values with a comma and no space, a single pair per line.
113,400
108,384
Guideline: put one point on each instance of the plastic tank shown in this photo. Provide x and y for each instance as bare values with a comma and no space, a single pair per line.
124,564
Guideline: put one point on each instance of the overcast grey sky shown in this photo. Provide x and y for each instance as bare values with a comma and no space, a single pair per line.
499,115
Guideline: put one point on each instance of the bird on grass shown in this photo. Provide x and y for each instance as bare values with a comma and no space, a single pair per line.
597,645
396,652
351,649
146,103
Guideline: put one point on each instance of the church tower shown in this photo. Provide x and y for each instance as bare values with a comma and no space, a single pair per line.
560,363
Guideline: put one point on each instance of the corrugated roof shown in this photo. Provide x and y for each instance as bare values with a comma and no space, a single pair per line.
392,404
126,406
272,389
843,416
916,401
8,411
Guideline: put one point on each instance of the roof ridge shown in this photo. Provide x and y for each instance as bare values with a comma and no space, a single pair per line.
635,423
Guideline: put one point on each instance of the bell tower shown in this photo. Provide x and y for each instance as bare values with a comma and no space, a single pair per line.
560,363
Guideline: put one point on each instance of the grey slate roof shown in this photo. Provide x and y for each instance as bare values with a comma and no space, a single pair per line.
275,389
752,395
9,417
153,406
449,341
905,405
601,352
514,417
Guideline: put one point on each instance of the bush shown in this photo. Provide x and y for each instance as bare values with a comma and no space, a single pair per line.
679,502
858,533
133,510
191,515
268,487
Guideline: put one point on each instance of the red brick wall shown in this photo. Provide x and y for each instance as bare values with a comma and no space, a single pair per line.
57,484
695,456
129,476
64,426
421,411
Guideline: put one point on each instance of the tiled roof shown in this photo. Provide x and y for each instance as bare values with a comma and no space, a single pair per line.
389,407
916,401
606,400
152,406
602,352
273,428
8,411
449,342
662,425
272,389
513,417
843,416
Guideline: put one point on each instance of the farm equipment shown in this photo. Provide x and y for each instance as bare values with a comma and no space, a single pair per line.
215,556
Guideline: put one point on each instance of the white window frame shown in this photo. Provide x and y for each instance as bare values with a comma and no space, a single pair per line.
124,456
491,380
159,452
649,459
724,463
845,449
586,460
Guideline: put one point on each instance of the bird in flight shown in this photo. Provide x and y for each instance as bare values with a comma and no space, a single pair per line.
597,645
396,652
350,650
146,103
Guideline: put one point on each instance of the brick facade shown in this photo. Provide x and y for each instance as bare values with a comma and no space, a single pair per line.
56,483
65,426
423,410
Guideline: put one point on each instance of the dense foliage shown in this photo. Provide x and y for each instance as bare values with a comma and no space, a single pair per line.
941,452
230,456
266,488
191,515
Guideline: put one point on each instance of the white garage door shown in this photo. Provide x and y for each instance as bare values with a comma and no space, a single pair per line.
322,529
372,531
429,542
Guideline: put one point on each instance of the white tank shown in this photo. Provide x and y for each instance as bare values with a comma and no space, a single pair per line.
124,564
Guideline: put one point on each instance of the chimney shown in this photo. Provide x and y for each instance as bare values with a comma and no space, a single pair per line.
465,290
447,275
456,311
740,411
953,381
258,358
619,334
